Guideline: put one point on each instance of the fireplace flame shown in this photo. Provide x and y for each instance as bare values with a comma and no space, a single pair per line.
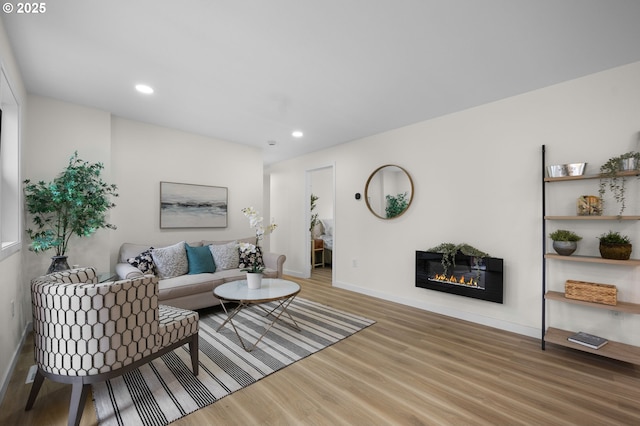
453,280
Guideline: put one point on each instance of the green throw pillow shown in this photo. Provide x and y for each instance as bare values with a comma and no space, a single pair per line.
200,260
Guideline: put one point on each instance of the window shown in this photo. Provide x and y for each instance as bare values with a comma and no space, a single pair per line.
10,185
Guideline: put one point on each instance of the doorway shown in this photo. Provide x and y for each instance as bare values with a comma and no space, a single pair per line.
321,238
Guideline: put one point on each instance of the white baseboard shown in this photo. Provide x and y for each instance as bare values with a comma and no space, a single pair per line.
296,274
14,360
466,316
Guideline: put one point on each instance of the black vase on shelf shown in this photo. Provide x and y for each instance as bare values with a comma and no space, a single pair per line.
58,263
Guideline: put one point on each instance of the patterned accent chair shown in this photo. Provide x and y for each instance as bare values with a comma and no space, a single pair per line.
87,332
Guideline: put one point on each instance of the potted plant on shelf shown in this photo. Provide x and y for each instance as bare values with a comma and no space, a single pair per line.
74,203
613,245
565,242
250,254
610,175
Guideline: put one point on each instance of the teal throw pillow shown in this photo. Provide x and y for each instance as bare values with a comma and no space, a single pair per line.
200,260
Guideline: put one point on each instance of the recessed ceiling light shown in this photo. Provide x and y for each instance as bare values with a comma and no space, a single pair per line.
143,88
297,134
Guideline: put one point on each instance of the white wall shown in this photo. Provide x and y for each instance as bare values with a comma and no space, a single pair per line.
322,187
477,177
63,128
144,155
137,157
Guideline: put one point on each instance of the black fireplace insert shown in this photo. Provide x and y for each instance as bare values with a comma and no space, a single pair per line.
479,278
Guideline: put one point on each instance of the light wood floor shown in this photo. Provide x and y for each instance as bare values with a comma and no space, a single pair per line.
410,368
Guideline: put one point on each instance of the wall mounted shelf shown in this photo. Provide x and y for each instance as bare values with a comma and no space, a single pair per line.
615,350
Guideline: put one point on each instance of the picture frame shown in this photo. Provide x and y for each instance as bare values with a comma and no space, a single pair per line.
185,205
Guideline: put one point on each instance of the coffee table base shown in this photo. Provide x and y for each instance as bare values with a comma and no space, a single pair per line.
281,307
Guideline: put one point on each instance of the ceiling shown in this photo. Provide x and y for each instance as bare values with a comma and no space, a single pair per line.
252,71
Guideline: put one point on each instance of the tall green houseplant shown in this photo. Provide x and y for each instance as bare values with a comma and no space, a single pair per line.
74,203
611,177
314,216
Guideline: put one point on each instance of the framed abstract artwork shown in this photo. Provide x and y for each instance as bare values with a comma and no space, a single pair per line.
184,205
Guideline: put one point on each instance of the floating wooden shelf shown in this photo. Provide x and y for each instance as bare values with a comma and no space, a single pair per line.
585,177
593,259
626,307
615,350
592,217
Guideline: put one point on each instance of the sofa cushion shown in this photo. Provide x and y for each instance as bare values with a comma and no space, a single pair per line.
200,260
186,285
171,261
128,250
246,258
225,256
144,262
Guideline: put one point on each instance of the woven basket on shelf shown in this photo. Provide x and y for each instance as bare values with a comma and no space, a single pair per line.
591,292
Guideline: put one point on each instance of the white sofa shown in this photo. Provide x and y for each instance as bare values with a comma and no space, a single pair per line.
194,291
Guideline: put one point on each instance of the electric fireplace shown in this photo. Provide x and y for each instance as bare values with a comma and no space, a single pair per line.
479,278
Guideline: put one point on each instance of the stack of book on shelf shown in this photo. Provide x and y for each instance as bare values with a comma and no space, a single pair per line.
589,340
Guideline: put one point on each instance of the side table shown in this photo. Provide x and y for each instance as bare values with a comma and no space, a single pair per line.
273,290
318,248
103,277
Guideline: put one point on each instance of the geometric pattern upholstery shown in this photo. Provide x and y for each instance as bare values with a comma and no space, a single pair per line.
92,328
175,324
85,331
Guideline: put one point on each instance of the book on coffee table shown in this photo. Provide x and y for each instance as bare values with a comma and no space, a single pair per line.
588,340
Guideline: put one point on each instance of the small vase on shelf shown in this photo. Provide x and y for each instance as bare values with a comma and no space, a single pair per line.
254,280
565,248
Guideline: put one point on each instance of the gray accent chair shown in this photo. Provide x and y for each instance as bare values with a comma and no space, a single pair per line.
87,332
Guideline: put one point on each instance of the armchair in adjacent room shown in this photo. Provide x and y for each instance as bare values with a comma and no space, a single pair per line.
87,332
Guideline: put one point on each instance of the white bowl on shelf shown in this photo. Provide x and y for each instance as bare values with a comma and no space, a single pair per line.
576,169
558,170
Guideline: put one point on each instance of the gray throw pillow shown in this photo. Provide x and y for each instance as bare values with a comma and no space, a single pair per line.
225,256
171,261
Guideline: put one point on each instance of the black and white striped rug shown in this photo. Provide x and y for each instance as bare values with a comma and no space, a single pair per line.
166,389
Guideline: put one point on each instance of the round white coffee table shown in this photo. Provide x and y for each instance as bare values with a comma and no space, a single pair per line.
273,290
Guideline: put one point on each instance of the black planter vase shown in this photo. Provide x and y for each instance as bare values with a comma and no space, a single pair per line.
58,263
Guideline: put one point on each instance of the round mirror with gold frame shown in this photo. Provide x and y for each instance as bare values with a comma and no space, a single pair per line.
389,191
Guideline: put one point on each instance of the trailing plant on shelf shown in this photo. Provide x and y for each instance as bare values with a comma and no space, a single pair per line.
449,251
74,203
611,179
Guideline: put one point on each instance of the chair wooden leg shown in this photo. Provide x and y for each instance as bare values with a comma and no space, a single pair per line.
35,388
79,393
193,349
